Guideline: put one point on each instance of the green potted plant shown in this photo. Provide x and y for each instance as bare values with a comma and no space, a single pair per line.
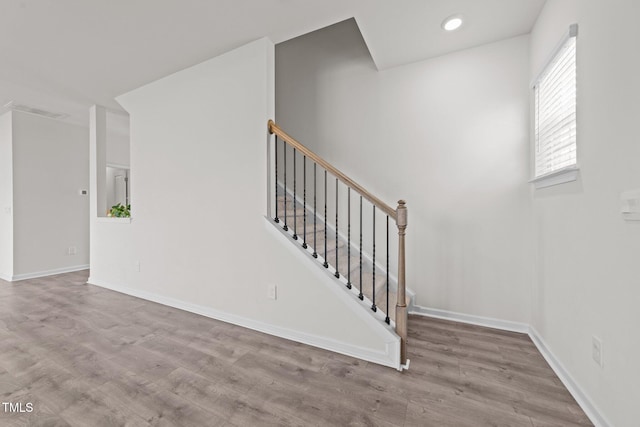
120,211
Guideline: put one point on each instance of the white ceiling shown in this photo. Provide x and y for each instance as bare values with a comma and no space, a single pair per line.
66,55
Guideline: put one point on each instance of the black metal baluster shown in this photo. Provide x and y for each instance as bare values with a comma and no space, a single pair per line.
326,222
304,202
337,274
361,296
295,201
315,215
286,228
386,319
373,306
276,219
349,237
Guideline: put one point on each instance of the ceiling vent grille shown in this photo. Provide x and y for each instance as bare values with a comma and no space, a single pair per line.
32,110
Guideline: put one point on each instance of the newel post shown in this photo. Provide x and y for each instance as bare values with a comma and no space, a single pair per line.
401,304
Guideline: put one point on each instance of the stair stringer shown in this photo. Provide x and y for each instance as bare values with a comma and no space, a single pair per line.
393,279
388,353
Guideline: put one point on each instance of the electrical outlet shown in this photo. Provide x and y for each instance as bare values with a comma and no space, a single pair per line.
71,250
138,266
596,350
272,292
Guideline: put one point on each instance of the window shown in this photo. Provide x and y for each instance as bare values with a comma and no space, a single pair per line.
555,113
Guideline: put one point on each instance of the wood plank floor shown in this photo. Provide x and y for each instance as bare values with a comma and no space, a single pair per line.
86,356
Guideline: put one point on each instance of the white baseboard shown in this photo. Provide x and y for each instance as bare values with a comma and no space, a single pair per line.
488,322
46,273
5,277
576,391
386,358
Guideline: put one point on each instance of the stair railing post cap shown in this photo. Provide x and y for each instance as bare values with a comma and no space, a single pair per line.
401,214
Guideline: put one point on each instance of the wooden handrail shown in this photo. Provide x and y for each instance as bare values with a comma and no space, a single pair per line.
274,128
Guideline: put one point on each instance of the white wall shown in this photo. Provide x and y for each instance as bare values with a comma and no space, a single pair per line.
199,233
588,274
50,166
6,197
449,135
118,150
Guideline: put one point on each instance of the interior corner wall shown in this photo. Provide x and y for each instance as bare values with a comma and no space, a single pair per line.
449,135
588,269
198,238
6,197
50,167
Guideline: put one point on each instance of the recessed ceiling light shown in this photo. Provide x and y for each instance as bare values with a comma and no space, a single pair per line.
452,23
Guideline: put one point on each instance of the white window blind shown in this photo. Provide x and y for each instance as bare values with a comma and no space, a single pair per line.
555,111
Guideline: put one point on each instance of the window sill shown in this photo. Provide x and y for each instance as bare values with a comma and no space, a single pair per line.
113,220
561,176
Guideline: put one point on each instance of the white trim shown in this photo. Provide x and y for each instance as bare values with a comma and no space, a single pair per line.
567,174
5,277
386,358
114,220
581,397
587,405
488,322
118,166
46,273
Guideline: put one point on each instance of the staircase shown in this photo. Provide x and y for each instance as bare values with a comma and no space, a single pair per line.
345,227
